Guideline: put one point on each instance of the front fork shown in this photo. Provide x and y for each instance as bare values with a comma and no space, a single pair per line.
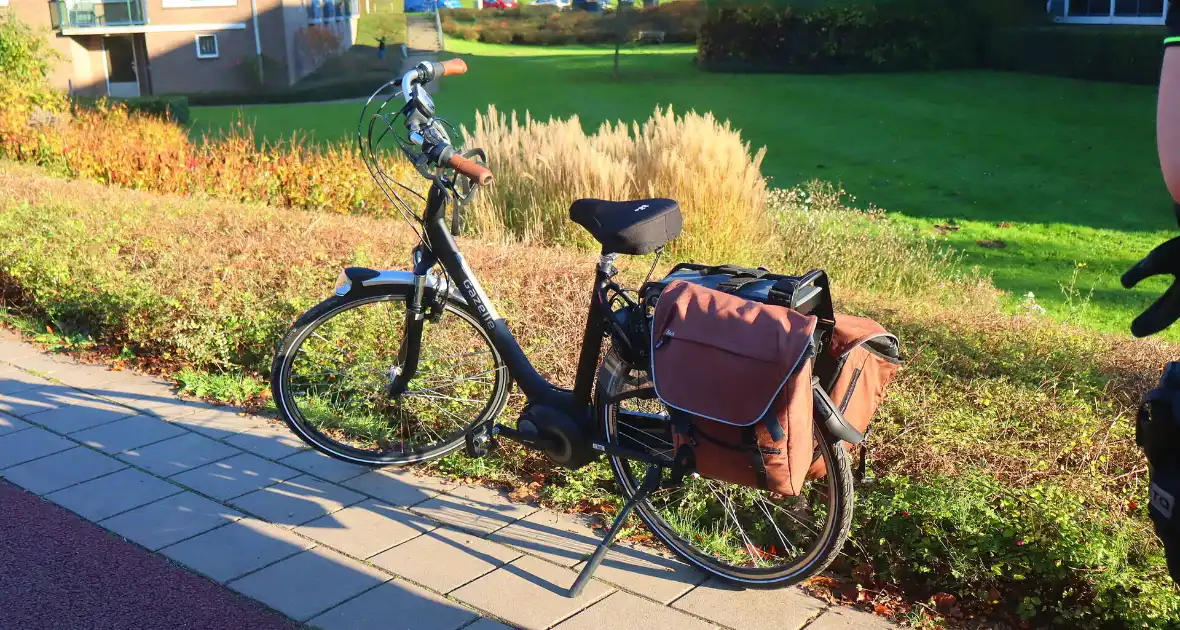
417,312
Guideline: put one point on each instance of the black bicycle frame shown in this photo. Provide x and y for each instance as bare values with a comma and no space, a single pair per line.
443,249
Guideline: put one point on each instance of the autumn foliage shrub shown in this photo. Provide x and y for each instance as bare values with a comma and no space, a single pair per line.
108,144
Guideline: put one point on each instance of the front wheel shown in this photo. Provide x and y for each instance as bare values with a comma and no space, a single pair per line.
742,535
333,370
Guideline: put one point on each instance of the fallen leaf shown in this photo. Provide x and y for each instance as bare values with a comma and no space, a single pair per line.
944,602
864,573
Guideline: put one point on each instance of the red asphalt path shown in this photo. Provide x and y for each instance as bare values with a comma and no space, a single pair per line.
60,572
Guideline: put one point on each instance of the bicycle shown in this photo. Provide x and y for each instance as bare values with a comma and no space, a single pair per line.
364,376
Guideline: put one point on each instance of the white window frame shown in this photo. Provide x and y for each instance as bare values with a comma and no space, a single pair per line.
197,4
216,46
1112,18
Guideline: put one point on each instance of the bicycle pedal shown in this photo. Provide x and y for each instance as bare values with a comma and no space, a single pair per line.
479,442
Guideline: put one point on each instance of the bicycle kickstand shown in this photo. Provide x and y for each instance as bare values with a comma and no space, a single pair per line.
650,482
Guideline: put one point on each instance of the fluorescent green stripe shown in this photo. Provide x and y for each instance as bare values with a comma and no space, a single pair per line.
1171,40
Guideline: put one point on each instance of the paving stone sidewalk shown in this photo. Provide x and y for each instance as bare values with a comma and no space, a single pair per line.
239,500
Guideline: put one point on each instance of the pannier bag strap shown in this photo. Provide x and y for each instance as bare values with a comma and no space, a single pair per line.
757,461
734,270
735,283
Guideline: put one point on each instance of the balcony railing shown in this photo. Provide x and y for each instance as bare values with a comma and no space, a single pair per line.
96,13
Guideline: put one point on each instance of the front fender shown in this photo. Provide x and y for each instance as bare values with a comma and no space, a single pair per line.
354,278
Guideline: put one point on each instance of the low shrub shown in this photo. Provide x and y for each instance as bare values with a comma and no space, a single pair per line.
532,25
326,90
852,36
1006,467
172,108
1102,53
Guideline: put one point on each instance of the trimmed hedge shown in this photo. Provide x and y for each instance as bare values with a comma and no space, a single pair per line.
1102,53
531,25
853,36
168,107
323,92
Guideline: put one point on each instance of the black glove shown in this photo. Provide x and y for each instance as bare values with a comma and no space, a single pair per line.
1164,259
1158,433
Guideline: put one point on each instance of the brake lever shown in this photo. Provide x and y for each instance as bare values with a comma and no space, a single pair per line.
1164,259
462,198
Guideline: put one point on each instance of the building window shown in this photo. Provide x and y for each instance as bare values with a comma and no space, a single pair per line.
206,46
1109,11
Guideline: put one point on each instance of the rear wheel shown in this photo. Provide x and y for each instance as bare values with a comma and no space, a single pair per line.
333,369
743,535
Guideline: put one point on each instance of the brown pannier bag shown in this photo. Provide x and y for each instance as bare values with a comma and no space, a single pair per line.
862,358
736,375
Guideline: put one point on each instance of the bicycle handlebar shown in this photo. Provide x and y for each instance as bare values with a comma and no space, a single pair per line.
440,152
453,67
476,171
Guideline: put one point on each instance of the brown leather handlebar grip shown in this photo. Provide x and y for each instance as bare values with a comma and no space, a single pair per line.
451,67
476,171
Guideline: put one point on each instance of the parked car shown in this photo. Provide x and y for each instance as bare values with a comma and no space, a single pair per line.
593,6
561,4
500,4
427,6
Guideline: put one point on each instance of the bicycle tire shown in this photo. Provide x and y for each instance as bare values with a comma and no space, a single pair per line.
614,375
334,306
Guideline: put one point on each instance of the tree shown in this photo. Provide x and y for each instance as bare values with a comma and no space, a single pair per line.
624,25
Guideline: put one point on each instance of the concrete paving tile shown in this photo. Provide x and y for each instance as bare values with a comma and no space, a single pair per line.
530,593
474,508
309,583
232,551
235,476
564,539
219,423
366,529
488,624
75,411
638,613
841,618
268,441
61,470
11,424
649,572
751,609
86,376
32,443
178,454
297,500
33,359
27,402
13,380
396,605
107,496
445,559
171,520
170,408
128,387
323,466
399,486
128,433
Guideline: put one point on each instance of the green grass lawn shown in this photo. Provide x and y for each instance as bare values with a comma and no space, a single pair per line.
1059,172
